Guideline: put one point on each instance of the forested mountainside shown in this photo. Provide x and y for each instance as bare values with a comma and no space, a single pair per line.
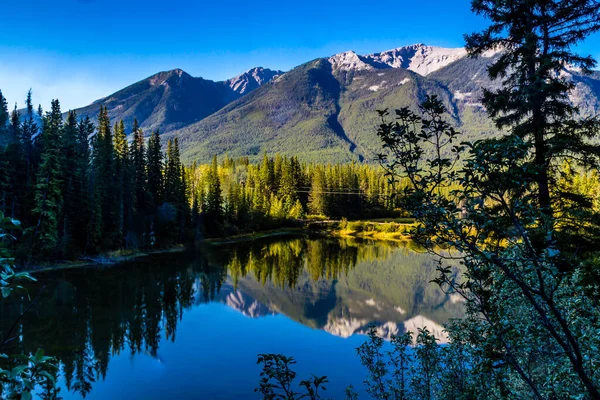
323,110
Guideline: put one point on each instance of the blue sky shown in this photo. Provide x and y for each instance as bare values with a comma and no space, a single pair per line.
81,50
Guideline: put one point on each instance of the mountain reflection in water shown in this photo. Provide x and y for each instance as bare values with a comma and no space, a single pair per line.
87,316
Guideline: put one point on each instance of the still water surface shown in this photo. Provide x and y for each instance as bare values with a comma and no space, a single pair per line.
190,325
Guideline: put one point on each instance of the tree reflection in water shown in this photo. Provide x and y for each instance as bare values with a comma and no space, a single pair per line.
86,316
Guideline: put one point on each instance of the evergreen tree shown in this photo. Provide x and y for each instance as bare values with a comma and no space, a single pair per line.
33,130
105,209
32,153
83,192
213,206
4,118
122,184
267,174
317,198
195,200
175,187
73,183
48,194
173,183
138,164
287,185
154,170
9,166
536,39
5,173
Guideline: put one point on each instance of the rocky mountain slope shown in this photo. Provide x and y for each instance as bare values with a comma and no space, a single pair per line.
174,99
323,110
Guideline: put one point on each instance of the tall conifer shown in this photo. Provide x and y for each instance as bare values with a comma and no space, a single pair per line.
48,193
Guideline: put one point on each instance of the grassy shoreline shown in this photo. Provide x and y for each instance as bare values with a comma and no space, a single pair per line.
370,229
397,230
101,260
119,256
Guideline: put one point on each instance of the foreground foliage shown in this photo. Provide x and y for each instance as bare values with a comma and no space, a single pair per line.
527,238
20,374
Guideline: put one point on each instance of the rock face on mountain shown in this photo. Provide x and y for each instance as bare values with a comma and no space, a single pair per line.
252,79
418,58
323,110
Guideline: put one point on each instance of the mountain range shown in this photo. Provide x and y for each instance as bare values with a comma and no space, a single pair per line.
323,110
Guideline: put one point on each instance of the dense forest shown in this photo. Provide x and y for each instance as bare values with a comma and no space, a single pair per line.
79,189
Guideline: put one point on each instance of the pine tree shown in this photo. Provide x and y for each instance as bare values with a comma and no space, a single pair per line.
195,201
5,172
213,206
32,131
317,197
121,183
154,170
105,209
287,186
183,201
267,175
71,181
138,164
48,195
4,118
83,229
175,188
8,167
172,185
537,40
29,132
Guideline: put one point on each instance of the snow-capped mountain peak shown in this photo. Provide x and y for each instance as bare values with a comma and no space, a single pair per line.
349,61
418,58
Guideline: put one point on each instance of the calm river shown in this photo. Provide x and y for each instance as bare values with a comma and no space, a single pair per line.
190,325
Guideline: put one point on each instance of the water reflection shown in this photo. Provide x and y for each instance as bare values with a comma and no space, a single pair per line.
87,316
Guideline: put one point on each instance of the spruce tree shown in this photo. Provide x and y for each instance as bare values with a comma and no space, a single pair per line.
317,197
71,182
213,206
4,118
536,40
5,173
155,170
138,165
105,209
172,185
287,186
83,227
121,152
9,165
48,194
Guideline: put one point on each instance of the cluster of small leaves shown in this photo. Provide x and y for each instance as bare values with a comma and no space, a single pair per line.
277,380
407,141
30,371
26,372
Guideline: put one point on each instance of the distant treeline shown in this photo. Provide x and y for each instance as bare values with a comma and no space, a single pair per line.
80,188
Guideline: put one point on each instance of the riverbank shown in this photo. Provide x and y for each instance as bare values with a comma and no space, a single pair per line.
101,260
397,230
121,256
245,237
390,230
